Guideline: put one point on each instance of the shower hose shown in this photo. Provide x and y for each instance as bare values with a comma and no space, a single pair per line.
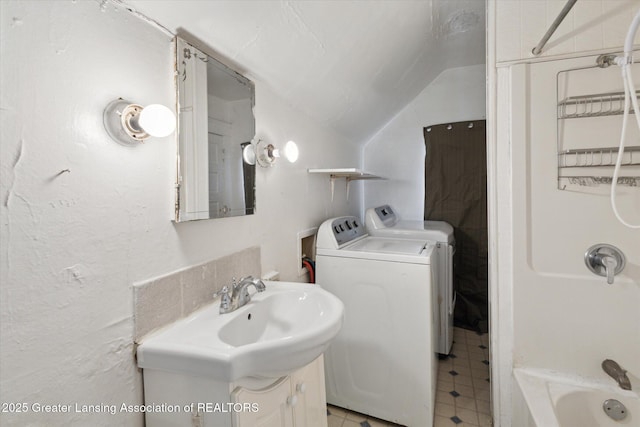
625,62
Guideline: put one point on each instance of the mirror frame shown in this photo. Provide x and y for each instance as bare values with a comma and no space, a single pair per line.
192,159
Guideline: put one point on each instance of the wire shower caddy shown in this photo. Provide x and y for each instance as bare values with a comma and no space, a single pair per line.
601,159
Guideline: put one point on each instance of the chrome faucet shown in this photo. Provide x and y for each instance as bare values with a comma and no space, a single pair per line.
234,298
605,260
616,372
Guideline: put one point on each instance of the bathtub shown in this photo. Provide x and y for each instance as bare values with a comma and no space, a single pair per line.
551,399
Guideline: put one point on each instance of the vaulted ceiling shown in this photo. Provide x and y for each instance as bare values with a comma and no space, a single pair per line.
350,65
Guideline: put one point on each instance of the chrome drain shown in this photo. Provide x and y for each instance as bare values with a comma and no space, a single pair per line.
614,409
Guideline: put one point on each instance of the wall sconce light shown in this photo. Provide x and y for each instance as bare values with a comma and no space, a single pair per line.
130,124
265,154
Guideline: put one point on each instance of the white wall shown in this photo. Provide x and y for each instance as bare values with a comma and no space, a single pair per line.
548,310
585,320
397,151
83,218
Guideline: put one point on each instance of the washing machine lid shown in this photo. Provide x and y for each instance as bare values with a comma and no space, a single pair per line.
388,245
439,231
389,249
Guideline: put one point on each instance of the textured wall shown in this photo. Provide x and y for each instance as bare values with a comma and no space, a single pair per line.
352,65
83,218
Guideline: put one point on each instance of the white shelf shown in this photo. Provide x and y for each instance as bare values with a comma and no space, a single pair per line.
350,174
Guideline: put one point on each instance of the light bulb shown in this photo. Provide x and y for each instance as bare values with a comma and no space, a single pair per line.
157,120
291,151
249,155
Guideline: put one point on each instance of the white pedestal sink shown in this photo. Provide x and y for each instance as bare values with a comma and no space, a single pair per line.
280,330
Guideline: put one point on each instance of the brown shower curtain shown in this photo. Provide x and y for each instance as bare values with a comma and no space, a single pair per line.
456,192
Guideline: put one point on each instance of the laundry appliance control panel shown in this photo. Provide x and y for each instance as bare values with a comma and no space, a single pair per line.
346,229
336,232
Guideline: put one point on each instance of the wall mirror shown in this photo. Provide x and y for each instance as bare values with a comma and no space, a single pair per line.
215,123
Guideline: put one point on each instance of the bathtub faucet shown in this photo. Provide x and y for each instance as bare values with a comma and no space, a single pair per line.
614,370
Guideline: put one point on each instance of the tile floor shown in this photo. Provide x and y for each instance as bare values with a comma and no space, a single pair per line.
462,396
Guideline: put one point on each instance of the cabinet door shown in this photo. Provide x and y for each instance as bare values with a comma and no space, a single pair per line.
308,386
274,406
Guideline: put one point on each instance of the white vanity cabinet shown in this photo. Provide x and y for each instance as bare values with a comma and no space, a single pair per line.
297,400
308,383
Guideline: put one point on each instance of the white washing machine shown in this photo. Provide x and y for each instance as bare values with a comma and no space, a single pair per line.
383,361
383,221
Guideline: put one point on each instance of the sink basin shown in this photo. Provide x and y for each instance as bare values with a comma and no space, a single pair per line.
280,330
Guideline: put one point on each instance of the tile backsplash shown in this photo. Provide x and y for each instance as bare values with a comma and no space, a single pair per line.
164,299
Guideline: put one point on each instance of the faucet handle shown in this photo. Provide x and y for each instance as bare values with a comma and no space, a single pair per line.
610,264
225,298
221,292
605,260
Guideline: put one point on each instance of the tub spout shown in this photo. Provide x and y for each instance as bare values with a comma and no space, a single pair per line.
616,372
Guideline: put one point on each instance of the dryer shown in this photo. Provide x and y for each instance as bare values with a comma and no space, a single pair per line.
383,361
383,221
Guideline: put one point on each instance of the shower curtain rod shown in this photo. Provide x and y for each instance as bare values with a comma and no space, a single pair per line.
552,29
